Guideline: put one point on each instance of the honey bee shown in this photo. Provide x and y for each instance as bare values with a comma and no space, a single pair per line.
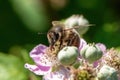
60,36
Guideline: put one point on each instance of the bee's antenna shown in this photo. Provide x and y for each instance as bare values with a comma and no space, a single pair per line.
76,27
88,25
39,33
70,28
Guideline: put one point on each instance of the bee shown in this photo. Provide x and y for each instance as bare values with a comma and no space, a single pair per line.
67,33
60,36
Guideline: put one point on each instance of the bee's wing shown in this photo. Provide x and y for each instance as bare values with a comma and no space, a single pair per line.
77,22
55,23
81,29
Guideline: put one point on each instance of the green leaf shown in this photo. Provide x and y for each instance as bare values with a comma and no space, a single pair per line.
32,13
12,68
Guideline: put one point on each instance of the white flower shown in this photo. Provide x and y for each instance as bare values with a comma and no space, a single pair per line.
79,22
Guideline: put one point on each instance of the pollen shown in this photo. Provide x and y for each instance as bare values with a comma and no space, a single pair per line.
112,58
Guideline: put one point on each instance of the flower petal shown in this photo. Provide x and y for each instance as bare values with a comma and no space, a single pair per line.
96,63
102,47
38,70
82,43
41,59
61,74
38,54
39,49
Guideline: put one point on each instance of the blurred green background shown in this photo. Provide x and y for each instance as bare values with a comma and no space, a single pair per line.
22,20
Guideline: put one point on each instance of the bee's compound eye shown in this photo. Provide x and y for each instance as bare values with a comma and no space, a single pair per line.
58,29
56,36
50,36
53,36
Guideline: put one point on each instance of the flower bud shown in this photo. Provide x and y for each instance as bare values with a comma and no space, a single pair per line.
78,20
68,55
107,73
77,64
91,53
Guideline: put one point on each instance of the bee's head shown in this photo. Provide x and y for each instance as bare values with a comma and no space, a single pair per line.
54,34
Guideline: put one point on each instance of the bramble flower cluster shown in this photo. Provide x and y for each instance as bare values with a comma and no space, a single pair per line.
86,62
